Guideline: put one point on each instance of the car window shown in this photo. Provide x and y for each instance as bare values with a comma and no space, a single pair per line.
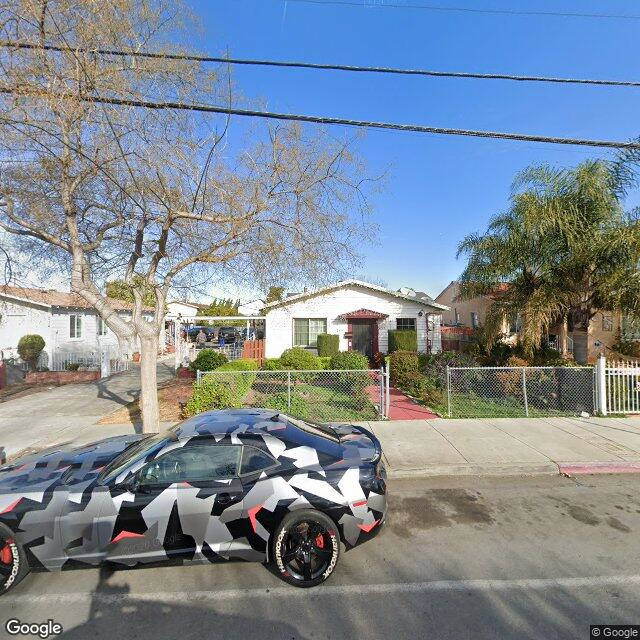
255,460
199,463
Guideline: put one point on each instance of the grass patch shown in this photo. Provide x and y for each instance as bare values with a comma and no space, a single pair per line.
469,405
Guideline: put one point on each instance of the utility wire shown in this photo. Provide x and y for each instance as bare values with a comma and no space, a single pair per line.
320,66
270,115
511,12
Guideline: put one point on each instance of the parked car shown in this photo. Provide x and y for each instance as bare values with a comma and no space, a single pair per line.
246,484
210,332
230,334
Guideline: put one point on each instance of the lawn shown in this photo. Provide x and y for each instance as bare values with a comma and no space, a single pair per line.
319,403
470,405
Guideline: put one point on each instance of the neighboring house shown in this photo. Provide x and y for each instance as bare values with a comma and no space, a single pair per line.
585,346
183,308
359,312
251,308
69,325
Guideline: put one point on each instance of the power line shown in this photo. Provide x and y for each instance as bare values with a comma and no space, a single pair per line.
270,115
320,66
511,12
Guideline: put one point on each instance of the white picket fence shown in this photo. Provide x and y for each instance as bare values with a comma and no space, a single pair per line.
619,386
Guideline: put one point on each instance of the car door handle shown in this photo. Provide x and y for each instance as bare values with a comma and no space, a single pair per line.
224,498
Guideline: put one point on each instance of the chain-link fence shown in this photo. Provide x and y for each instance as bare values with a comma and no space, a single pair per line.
511,392
320,396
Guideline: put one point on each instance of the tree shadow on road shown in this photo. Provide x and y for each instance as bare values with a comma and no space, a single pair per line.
113,615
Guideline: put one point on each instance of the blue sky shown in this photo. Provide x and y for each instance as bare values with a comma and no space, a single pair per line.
438,188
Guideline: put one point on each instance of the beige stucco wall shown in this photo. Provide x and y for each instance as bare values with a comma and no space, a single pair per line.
449,297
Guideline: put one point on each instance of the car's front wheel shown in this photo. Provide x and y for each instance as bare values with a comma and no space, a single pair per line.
306,548
13,561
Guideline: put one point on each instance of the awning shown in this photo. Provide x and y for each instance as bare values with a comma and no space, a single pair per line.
363,314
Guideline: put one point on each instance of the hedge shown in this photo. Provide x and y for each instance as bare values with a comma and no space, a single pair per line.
402,340
349,360
30,347
404,364
223,391
328,344
208,360
299,358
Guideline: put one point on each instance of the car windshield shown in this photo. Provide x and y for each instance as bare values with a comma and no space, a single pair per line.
123,460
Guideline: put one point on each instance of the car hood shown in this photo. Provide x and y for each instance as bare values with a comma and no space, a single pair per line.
64,463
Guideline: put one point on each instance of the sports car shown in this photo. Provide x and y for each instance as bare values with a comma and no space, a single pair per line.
247,484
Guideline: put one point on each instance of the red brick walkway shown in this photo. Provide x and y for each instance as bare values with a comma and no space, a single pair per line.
401,407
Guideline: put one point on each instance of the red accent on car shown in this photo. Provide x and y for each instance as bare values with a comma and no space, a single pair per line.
126,534
361,503
184,484
319,541
12,506
253,512
5,555
367,527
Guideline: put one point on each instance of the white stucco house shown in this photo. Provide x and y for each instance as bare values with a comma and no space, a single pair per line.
359,312
183,309
72,330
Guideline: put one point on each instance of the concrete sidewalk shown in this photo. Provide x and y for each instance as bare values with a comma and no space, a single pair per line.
509,446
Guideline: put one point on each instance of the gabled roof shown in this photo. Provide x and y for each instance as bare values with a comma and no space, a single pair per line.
365,314
427,302
51,299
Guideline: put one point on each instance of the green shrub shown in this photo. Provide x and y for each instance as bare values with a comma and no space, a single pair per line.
72,366
208,360
244,364
403,365
238,383
210,395
403,340
328,344
325,362
349,360
271,364
299,358
30,347
279,402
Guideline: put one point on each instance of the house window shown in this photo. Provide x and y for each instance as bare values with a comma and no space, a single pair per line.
515,324
102,327
306,330
456,316
75,326
607,323
406,324
474,320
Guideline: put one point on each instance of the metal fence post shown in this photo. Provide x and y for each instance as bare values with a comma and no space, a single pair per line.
289,391
388,397
448,391
198,376
601,385
381,384
524,391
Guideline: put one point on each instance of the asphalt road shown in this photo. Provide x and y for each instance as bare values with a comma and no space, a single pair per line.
502,558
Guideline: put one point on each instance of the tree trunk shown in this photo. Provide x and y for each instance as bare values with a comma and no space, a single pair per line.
149,384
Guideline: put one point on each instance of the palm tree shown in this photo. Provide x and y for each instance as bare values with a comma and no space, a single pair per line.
564,249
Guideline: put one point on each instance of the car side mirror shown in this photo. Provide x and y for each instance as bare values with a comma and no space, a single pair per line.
133,484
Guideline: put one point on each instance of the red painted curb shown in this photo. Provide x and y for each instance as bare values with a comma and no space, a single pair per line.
574,469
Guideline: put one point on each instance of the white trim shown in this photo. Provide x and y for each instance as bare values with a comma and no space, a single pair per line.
354,283
25,300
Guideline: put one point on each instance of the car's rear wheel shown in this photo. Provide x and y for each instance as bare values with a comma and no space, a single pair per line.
306,548
13,561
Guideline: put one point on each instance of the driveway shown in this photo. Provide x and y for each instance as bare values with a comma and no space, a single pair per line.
59,413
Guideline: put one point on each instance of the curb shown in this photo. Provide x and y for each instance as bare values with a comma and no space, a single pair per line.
486,469
591,468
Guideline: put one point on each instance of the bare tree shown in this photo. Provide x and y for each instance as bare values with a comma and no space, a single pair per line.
150,196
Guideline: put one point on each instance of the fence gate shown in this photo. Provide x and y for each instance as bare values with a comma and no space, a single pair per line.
618,386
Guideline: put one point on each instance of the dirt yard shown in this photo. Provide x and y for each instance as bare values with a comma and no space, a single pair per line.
171,396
